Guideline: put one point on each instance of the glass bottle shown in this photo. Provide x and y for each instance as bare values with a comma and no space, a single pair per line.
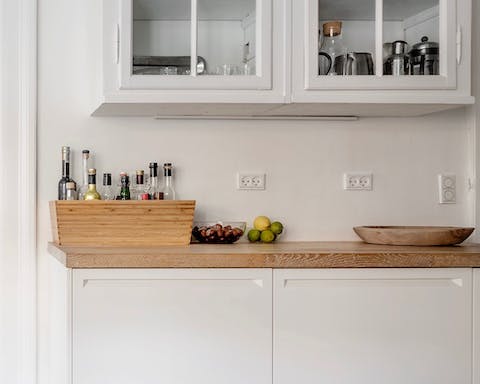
107,192
331,48
154,190
62,184
71,191
92,193
85,167
168,190
124,187
140,189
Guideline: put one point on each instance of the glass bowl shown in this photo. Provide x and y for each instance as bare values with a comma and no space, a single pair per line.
219,232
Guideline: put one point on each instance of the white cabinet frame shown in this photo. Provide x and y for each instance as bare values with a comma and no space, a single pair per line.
261,81
450,37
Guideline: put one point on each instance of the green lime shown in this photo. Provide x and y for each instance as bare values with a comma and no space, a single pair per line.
267,236
253,235
276,227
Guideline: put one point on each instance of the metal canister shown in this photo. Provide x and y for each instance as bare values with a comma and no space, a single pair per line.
398,63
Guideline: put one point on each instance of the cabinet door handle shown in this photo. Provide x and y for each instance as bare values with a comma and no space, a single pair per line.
373,282
459,44
159,282
117,44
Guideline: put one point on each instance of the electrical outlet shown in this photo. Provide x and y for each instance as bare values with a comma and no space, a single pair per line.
251,181
447,188
358,181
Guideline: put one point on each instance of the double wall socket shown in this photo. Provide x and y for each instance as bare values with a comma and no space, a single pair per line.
358,181
251,181
447,188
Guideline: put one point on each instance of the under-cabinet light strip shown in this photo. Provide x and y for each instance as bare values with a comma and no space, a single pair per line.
266,117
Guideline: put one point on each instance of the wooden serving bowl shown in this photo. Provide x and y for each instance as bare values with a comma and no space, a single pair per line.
419,236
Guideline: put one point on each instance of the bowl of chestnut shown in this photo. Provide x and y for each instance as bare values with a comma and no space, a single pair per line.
218,232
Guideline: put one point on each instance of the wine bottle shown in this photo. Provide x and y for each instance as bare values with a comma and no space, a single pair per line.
168,190
92,193
62,184
85,167
154,190
125,187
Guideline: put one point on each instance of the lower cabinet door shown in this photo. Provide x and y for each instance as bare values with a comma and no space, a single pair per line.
172,326
476,326
408,326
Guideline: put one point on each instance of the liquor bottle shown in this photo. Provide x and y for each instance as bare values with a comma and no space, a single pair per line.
71,191
125,187
85,167
140,188
62,184
168,190
154,189
92,193
107,191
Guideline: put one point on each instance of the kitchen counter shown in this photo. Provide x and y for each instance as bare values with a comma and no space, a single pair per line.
276,255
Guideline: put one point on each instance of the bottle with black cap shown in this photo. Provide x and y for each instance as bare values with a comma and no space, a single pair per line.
62,184
92,193
154,190
168,190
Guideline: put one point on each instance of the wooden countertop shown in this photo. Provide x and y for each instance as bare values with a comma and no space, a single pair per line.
276,255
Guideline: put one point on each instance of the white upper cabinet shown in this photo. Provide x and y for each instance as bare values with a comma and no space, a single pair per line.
381,51
262,58
160,55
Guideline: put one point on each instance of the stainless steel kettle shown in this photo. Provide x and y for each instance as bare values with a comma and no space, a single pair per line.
354,63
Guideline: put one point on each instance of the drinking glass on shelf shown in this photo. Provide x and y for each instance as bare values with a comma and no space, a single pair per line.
248,69
168,71
227,70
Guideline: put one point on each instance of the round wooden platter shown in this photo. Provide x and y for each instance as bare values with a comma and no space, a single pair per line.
419,236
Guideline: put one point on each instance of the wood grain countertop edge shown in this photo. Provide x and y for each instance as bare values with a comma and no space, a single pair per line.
299,255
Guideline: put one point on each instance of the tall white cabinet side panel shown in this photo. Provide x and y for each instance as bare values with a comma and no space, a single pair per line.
172,326
372,326
476,326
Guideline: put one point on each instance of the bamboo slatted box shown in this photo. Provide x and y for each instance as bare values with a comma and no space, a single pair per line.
122,223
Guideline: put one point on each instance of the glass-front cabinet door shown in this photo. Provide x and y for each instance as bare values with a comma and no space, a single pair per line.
196,44
380,44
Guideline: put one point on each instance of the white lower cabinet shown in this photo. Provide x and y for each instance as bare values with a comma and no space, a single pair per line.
172,326
476,326
215,326
394,326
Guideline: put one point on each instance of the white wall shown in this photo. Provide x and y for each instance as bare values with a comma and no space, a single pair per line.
304,161
9,340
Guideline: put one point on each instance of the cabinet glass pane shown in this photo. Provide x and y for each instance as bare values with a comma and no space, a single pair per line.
227,36
346,37
411,36
161,37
